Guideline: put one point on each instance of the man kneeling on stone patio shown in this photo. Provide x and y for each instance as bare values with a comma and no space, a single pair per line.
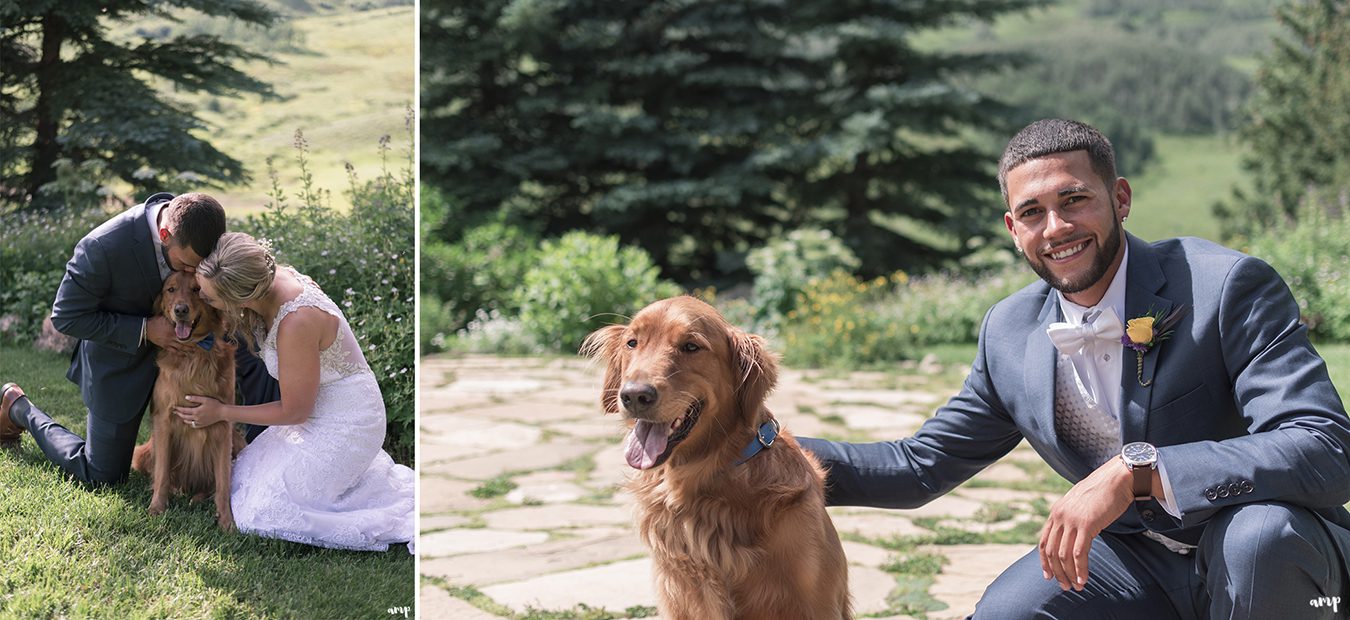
1170,382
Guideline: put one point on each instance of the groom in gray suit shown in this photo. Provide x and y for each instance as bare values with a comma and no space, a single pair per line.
106,300
1170,382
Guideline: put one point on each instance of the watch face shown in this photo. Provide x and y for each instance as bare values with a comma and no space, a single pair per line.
1139,453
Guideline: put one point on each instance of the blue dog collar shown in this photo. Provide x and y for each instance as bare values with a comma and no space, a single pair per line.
764,438
207,342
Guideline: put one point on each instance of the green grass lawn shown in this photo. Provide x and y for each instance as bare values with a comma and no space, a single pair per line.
70,551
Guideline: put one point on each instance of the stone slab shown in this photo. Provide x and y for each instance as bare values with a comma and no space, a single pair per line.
557,517
438,495
474,540
463,436
865,555
539,410
611,469
1002,472
876,525
969,570
434,603
615,587
597,427
877,418
434,402
582,548
869,588
542,456
549,487
888,399
442,522
483,385
997,494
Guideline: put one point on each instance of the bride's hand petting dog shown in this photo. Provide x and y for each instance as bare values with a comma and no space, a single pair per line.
731,506
180,458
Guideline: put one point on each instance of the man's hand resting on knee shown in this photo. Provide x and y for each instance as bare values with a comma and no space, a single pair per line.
1079,516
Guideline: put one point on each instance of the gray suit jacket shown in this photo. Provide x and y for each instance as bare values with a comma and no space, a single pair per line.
109,288
1241,408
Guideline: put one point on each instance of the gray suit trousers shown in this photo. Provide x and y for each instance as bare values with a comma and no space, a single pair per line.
1261,560
104,455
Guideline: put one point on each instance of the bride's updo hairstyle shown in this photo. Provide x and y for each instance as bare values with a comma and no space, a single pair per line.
241,269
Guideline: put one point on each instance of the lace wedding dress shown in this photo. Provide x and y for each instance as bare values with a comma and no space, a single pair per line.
326,482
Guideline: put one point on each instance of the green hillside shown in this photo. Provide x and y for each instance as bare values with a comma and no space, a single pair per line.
1166,80
1175,194
345,79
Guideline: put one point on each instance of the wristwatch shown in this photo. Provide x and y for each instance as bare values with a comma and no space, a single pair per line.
1141,458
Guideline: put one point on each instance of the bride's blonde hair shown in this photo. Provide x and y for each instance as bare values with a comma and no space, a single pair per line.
241,269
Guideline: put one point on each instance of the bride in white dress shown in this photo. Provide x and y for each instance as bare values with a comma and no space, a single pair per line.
318,475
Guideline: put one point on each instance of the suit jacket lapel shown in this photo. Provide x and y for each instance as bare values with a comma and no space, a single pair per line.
1144,278
145,249
1039,369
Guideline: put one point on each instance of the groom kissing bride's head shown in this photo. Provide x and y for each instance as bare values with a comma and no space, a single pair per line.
188,228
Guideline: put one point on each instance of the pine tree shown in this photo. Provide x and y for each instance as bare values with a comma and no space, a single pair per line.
1298,130
700,128
71,90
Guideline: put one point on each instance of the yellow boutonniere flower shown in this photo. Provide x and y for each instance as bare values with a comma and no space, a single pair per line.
1140,330
1144,332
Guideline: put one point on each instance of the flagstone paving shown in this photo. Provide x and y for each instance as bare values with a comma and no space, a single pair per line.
523,509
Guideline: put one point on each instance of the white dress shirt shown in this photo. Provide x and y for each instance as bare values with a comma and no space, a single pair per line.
1107,356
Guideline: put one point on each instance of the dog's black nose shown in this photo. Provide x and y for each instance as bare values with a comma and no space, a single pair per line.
637,397
180,310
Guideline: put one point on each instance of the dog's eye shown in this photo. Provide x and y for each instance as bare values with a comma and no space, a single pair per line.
632,344
690,347
196,289
172,289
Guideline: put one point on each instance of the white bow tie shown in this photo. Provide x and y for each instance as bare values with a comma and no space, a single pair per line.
1073,341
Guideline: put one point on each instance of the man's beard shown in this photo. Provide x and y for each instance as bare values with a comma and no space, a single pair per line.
1097,271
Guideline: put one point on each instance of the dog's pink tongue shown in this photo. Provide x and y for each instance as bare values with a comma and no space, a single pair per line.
182,329
645,443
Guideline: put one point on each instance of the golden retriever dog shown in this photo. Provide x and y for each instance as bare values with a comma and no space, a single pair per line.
179,458
735,517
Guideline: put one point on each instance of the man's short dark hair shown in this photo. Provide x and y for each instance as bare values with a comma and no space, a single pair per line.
1056,135
198,221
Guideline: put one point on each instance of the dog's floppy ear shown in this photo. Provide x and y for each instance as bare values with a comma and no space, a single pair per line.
603,344
759,371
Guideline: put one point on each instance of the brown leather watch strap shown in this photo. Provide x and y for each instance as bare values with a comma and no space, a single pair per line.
1143,483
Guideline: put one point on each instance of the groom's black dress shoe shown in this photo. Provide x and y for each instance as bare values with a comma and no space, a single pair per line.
9,431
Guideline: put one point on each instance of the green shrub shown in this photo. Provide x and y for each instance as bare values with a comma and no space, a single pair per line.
434,325
477,272
364,261
836,324
782,267
28,298
1312,253
33,252
581,282
840,321
491,332
948,308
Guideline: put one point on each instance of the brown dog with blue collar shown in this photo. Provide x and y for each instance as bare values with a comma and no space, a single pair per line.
180,458
731,506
